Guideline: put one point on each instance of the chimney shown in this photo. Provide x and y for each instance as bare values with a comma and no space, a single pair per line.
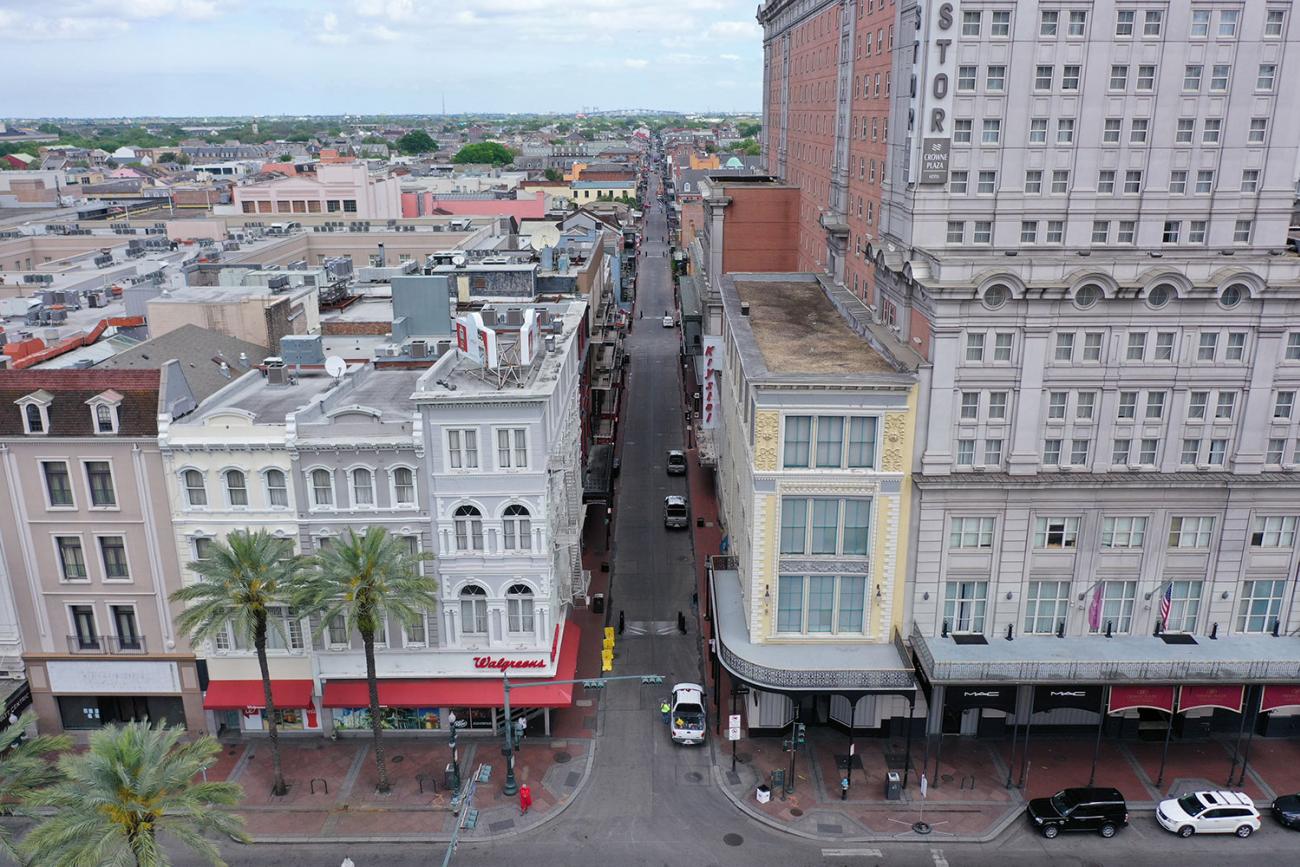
744,308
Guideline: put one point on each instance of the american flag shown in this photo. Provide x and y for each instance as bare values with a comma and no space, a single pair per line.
1165,602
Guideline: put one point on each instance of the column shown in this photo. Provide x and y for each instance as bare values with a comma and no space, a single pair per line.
1026,429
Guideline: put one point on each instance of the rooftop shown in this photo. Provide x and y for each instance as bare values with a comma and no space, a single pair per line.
797,329
265,403
385,390
200,352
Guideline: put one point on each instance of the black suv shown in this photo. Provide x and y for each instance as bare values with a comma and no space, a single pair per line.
1085,809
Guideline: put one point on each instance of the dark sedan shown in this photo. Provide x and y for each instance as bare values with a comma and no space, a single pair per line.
1286,810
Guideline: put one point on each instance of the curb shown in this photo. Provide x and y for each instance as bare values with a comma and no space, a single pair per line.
472,837
988,837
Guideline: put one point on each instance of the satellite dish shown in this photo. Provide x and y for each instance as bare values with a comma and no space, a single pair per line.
458,260
335,366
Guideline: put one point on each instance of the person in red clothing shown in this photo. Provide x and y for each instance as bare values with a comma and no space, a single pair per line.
525,798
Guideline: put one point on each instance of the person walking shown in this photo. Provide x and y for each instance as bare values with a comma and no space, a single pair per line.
525,799
665,710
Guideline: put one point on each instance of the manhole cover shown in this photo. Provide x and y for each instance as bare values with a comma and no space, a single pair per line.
397,760
796,812
733,839
694,776
562,758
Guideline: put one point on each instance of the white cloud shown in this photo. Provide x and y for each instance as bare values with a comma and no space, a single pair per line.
636,63
730,57
393,10
748,30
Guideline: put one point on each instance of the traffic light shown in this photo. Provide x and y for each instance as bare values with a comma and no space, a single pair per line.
800,734
593,684
652,678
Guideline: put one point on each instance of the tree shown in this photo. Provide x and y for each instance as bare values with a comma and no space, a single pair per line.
239,583
134,783
417,141
485,152
25,768
748,130
710,147
285,158
748,146
554,175
363,579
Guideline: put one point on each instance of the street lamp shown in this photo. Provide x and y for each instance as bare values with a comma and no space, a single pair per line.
511,787
456,726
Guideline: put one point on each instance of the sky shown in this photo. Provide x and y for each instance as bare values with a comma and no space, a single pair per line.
108,58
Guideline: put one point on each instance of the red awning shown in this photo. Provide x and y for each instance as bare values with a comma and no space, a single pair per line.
465,691
1227,697
1154,697
238,694
1278,696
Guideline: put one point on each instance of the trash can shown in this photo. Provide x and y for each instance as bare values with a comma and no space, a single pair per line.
598,604
893,786
763,794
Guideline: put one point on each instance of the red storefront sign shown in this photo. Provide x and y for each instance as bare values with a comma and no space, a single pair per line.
1279,696
1227,697
502,664
1154,697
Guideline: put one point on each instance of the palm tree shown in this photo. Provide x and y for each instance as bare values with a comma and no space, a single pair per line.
134,782
25,768
239,582
363,579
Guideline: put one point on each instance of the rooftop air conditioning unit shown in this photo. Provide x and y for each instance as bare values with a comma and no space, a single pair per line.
419,349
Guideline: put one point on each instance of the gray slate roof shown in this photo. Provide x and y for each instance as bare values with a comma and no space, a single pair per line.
199,351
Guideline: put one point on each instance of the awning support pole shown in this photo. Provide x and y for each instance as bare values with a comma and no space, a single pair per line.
1011,760
1169,733
1245,756
1241,729
1101,724
1024,750
907,751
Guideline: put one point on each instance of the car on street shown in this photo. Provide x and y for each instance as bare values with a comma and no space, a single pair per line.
1095,808
677,514
1286,809
1217,812
687,720
676,463
668,322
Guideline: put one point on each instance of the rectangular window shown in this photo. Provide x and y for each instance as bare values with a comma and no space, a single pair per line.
1178,181
1092,345
1228,23
971,533
857,527
1210,133
1293,346
100,477
1205,181
1120,451
1123,532
789,603
113,551
958,182
1276,451
1196,231
1048,21
1184,605
794,521
1171,232
997,405
1002,345
965,453
1249,180
1257,132
1043,76
983,233
58,486
1147,454
1186,131
1084,405
975,346
1079,452
1056,532
1100,231
1056,404
1191,532
1267,75
1197,402
1117,598
1192,77
1155,405
1208,348
1064,346
1124,22
462,447
1226,404
798,440
992,452
85,633
1028,231
1046,606
830,441
1191,451
956,231
966,76
1038,130
964,604
1078,22
1133,181
970,405
987,182
1106,181
1260,606
1137,133
1219,77
1034,181
1283,404
970,23
1001,23
1137,346
862,442
1070,78
1110,132
961,131
1052,452
72,560
1151,22
1273,531
852,603
1241,231
1200,22
992,131
1164,346
1118,77
1146,81
512,448
996,79
1128,404
1236,350
1061,177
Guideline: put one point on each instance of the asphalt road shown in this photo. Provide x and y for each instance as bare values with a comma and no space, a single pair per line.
649,802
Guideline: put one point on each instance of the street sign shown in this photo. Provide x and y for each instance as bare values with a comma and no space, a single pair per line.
733,727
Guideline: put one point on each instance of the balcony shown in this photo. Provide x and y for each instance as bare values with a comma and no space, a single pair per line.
99,645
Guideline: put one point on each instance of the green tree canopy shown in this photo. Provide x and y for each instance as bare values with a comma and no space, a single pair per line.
748,146
554,175
748,130
25,768
417,141
485,152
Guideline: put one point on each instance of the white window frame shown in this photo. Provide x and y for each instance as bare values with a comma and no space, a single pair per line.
112,476
42,405
312,493
353,499
186,490
58,557
103,561
1193,528
394,499
1120,532
964,528
1273,531
41,464
268,487
95,404
458,455
1047,526
512,450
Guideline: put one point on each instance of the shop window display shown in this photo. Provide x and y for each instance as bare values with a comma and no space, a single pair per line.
392,718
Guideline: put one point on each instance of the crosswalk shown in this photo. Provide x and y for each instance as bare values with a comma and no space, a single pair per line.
633,628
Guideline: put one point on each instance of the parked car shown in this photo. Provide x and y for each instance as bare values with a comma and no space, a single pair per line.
1286,810
676,463
677,514
687,721
668,322
1097,808
1209,813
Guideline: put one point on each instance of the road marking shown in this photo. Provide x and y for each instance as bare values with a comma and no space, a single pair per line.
939,860
852,853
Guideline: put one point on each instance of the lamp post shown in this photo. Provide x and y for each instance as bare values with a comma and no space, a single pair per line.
511,787
456,726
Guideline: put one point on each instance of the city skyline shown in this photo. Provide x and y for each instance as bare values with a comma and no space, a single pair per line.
401,57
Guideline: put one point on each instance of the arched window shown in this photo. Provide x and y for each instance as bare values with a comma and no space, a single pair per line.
403,487
517,529
473,610
363,488
277,492
469,529
104,419
519,608
195,493
236,488
322,488
35,419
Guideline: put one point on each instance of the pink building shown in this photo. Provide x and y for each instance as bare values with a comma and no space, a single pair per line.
423,204
346,189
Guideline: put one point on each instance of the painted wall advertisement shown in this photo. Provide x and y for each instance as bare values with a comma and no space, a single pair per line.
712,362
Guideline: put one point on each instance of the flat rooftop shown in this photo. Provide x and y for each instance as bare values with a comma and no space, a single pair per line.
268,404
798,330
387,390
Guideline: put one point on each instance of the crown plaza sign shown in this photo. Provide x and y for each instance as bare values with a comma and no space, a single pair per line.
936,142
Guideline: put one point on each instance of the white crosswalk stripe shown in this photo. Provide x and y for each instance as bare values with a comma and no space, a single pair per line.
852,853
